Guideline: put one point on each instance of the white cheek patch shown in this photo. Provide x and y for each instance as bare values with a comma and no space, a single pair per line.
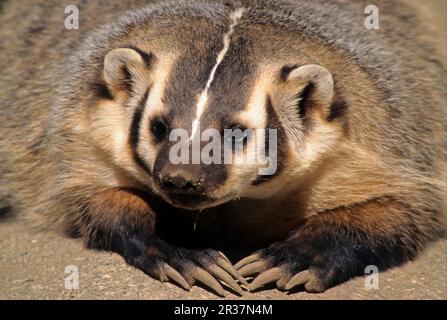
203,98
255,115
112,127
109,131
319,142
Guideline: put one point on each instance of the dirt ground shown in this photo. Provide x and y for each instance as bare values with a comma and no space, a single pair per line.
33,262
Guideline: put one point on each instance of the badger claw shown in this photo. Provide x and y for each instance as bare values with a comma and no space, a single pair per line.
228,267
253,268
198,274
300,278
266,277
172,274
222,275
270,266
247,260
186,267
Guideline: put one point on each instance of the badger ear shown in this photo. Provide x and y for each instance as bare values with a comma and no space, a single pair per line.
123,67
311,87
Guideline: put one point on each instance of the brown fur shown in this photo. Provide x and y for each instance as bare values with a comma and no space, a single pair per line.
371,159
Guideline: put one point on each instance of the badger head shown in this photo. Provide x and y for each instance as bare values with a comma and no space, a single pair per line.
205,104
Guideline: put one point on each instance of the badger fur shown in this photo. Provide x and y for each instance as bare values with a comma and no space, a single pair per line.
359,114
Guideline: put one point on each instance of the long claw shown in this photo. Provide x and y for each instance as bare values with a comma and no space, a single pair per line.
221,274
281,283
223,256
252,268
172,274
230,269
268,276
246,260
300,278
208,280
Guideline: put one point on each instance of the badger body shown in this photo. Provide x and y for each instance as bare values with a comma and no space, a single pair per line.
359,116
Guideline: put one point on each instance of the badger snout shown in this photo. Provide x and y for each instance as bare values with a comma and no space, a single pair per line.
189,186
183,180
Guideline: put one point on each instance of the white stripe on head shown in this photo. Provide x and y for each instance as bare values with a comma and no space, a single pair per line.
203,98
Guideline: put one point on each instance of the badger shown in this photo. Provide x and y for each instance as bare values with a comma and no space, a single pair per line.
359,122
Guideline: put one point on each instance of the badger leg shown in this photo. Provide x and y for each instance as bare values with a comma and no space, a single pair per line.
122,221
333,246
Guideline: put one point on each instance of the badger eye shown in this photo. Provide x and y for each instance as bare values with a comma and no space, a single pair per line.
159,129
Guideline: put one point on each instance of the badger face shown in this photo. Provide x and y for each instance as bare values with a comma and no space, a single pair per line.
208,110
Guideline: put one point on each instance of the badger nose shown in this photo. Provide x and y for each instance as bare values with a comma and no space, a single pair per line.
181,181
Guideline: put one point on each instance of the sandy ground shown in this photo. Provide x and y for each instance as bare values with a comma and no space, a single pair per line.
33,263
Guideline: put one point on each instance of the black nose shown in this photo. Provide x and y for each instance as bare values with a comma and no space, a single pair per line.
182,182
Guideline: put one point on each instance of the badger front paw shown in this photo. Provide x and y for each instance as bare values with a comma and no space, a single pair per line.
186,267
289,266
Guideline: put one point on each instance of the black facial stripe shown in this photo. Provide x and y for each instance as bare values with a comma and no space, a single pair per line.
281,143
233,75
134,136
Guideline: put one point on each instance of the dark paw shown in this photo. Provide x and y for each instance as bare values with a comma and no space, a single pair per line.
286,266
187,267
